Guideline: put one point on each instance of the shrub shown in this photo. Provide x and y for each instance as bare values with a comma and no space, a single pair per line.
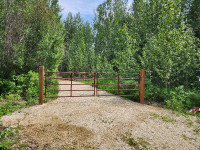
6,86
155,93
181,100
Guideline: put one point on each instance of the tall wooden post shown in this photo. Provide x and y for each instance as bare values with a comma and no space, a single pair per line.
142,76
41,84
71,86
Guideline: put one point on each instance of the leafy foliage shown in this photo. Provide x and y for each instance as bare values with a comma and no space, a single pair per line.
180,99
8,136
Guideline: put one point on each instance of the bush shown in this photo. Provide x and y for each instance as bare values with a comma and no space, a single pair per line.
30,84
182,100
6,86
178,99
26,86
10,105
155,93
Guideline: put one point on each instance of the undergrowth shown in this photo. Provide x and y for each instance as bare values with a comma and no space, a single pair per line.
8,136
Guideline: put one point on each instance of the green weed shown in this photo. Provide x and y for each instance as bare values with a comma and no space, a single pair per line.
139,143
10,106
131,142
166,118
8,136
23,145
189,122
155,115
198,121
197,130
187,138
107,121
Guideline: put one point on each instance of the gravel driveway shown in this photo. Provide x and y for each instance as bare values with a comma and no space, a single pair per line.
105,123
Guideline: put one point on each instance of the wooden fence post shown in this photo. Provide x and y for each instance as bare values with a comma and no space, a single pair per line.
142,76
41,84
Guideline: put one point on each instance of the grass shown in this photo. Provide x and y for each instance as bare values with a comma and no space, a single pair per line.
138,143
189,122
165,118
187,138
168,119
8,136
107,121
197,130
9,106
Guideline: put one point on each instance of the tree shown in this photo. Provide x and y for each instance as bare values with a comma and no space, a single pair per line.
109,19
79,42
33,36
194,17
171,54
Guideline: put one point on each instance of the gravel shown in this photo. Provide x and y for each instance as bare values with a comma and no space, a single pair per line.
105,123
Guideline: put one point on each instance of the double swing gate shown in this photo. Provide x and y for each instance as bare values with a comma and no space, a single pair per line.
106,81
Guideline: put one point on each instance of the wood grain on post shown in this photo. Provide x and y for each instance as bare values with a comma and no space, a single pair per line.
41,84
142,75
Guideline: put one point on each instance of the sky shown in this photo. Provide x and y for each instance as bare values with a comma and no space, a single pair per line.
85,7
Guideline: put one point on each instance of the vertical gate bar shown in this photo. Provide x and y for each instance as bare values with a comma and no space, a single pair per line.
138,84
45,85
118,83
142,74
41,84
71,85
97,85
94,83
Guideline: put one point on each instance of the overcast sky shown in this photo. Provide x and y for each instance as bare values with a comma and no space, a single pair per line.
85,7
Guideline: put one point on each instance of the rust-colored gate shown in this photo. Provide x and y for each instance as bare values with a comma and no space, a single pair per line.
95,77
118,84
71,84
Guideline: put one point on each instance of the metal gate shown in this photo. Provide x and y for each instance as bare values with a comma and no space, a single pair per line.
96,78
118,79
71,84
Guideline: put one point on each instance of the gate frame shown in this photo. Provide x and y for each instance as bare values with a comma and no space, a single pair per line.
70,83
41,85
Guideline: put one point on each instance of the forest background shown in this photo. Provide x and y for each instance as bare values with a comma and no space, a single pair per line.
161,36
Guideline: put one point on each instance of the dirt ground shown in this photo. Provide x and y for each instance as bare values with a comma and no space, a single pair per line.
105,123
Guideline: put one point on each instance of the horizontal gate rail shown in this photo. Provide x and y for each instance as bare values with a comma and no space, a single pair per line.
69,72
72,78
69,84
119,90
67,90
118,84
116,78
118,95
116,73
71,96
